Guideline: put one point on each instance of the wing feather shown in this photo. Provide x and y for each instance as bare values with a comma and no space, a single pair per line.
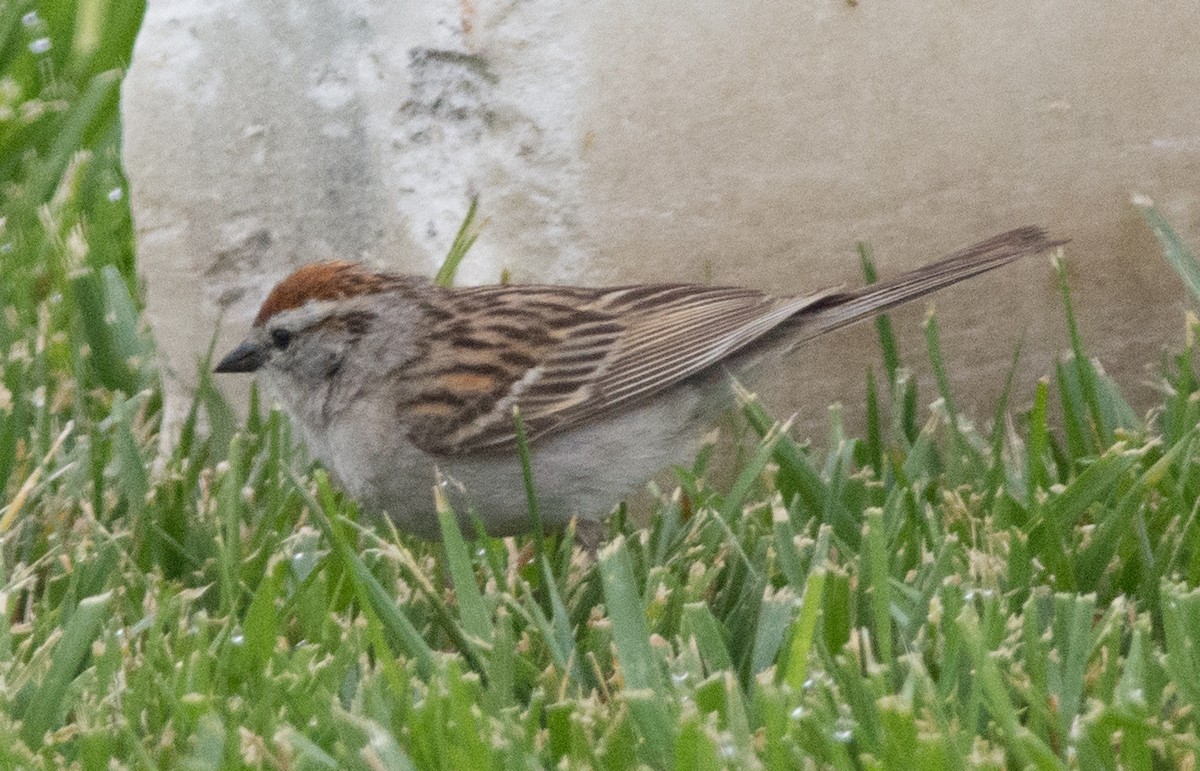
604,349
567,355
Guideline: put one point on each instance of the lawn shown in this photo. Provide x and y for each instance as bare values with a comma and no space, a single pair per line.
935,593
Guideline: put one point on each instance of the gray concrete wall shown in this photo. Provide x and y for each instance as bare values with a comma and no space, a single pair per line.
613,141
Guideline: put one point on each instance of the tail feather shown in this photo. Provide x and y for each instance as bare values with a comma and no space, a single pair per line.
843,308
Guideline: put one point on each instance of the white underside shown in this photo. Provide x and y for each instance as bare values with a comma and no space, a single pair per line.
582,472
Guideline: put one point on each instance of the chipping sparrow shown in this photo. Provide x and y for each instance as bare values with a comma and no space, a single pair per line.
389,376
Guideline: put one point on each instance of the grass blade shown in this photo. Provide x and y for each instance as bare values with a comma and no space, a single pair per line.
46,705
471,604
1174,249
401,635
463,241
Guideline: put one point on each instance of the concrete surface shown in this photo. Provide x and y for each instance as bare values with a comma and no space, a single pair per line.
612,141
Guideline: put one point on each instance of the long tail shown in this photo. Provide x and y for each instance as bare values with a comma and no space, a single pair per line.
838,310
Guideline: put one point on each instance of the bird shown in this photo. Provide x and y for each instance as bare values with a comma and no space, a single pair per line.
397,384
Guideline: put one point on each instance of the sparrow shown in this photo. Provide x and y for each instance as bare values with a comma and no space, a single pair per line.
396,383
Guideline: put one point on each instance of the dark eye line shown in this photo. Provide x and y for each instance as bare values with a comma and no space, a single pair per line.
281,338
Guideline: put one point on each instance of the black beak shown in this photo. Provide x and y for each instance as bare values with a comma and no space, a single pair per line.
247,357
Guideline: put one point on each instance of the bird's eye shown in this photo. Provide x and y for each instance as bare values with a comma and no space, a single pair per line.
281,338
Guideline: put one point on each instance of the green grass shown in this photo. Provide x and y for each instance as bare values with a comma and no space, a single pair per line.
934,594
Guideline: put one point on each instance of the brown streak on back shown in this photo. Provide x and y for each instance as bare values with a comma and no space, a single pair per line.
434,410
460,383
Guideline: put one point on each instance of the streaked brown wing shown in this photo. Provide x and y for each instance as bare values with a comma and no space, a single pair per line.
568,355
675,331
